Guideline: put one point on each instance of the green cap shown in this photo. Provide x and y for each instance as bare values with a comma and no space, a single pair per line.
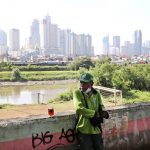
86,77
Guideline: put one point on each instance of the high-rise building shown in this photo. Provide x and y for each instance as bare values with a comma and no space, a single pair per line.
127,49
137,42
62,42
50,36
65,42
35,34
81,45
89,45
3,43
105,45
116,42
3,38
58,41
146,48
54,37
147,44
84,45
74,45
29,43
45,33
14,40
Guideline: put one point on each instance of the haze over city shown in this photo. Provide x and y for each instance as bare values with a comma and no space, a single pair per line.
95,17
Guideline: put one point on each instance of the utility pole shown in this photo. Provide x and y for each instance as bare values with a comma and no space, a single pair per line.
38,98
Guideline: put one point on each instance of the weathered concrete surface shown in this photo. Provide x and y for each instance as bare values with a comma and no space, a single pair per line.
128,128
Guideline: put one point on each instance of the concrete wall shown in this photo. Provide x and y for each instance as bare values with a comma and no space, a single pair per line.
128,128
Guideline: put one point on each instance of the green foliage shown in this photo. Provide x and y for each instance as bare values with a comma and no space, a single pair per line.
16,76
122,77
5,76
6,66
4,106
141,77
3,64
103,73
65,96
40,75
104,60
84,62
134,96
29,67
43,68
49,75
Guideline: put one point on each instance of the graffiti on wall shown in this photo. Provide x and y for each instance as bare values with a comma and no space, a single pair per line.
116,126
140,129
47,138
125,131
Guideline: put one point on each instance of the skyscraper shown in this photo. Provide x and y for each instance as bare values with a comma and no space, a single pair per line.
14,40
50,36
84,45
54,37
3,38
116,44
45,33
61,41
89,45
3,43
105,45
35,34
65,42
74,44
116,41
137,42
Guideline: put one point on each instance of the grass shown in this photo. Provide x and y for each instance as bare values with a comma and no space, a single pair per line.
4,106
40,75
136,96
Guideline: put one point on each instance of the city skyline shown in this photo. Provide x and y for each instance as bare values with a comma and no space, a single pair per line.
96,17
35,37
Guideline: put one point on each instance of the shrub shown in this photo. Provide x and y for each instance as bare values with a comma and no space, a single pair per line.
16,76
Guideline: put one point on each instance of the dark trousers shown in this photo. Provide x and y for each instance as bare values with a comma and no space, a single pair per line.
90,141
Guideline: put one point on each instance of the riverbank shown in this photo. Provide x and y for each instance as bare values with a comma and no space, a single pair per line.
38,82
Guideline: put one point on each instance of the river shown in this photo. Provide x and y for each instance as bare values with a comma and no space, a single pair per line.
32,92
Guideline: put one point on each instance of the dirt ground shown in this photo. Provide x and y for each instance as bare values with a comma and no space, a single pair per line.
23,111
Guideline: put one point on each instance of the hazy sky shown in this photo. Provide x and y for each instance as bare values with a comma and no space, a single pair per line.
94,17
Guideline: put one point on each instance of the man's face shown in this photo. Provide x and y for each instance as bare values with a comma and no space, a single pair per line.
85,85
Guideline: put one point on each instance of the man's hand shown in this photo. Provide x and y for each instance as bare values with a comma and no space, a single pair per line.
96,119
97,115
104,114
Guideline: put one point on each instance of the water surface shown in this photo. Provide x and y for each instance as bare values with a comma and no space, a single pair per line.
32,94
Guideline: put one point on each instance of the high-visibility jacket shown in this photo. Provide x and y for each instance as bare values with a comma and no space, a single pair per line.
85,113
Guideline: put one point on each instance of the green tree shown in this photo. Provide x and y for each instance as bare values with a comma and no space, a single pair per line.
121,80
16,76
103,73
77,63
141,77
